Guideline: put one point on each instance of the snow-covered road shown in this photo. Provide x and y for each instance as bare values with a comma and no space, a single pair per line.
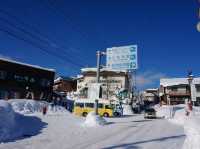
64,131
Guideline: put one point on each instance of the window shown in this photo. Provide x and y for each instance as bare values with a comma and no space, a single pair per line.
19,78
45,82
81,105
100,105
198,88
175,89
3,94
108,107
3,75
89,105
32,80
197,103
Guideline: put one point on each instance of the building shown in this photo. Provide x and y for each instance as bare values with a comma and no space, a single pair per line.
177,90
150,95
112,81
20,80
65,84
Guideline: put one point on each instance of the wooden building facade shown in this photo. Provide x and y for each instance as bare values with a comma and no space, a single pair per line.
20,80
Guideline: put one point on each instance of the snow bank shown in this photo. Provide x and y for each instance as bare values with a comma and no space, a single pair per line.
179,117
127,110
7,122
27,106
192,131
93,120
167,111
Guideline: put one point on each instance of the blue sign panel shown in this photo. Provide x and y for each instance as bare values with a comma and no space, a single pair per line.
122,58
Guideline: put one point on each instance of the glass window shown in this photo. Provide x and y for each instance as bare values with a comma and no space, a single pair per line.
100,105
3,75
175,89
89,105
198,88
108,107
45,82
81,105
19,78
32,80
2,94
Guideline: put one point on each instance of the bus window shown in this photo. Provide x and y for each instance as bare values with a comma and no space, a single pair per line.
100,105
81,105
108,107
89,105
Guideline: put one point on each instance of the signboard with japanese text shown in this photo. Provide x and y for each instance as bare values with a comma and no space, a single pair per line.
122,58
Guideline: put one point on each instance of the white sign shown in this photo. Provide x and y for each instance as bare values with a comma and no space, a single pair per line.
122,58
94,90
193,92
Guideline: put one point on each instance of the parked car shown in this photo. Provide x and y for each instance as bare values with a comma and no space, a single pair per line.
150,113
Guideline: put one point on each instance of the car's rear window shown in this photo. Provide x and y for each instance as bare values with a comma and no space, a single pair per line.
150,110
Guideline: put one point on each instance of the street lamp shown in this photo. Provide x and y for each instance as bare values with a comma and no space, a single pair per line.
198,26
190,79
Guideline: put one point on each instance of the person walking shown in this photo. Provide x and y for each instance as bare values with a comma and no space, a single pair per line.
44,110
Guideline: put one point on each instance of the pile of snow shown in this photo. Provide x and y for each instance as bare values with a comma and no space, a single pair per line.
192,131
127,110
166,111
93,120
179,117
7,122
163,111
27,106
190,123
196,111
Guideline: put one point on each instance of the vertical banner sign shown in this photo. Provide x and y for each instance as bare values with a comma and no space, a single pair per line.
193,92
94,90
122,58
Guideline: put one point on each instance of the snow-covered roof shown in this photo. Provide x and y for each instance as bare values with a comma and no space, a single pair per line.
63,78
79,76
177,81
152,89
93,69
25,64
57,79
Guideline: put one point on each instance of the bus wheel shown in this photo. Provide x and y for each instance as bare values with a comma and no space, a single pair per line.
84,114
106,115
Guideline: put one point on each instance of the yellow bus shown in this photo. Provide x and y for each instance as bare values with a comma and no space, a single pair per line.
83,106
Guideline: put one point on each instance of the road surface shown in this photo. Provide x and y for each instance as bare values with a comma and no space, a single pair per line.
64,131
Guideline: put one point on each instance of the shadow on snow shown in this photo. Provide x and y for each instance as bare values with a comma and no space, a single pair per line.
27,126
134,144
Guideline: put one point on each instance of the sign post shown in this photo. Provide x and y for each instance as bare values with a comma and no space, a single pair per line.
124,58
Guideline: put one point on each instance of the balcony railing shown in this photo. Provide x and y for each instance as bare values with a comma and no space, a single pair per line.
179,93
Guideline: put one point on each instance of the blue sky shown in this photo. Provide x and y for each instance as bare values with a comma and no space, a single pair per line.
65,35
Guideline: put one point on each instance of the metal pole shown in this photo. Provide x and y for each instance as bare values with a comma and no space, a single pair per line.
97,78
98,64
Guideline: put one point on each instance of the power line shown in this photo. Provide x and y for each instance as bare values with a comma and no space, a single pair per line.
39,47
69,19
43,37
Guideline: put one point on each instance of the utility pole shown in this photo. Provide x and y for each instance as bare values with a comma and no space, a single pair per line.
99,54
198,23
